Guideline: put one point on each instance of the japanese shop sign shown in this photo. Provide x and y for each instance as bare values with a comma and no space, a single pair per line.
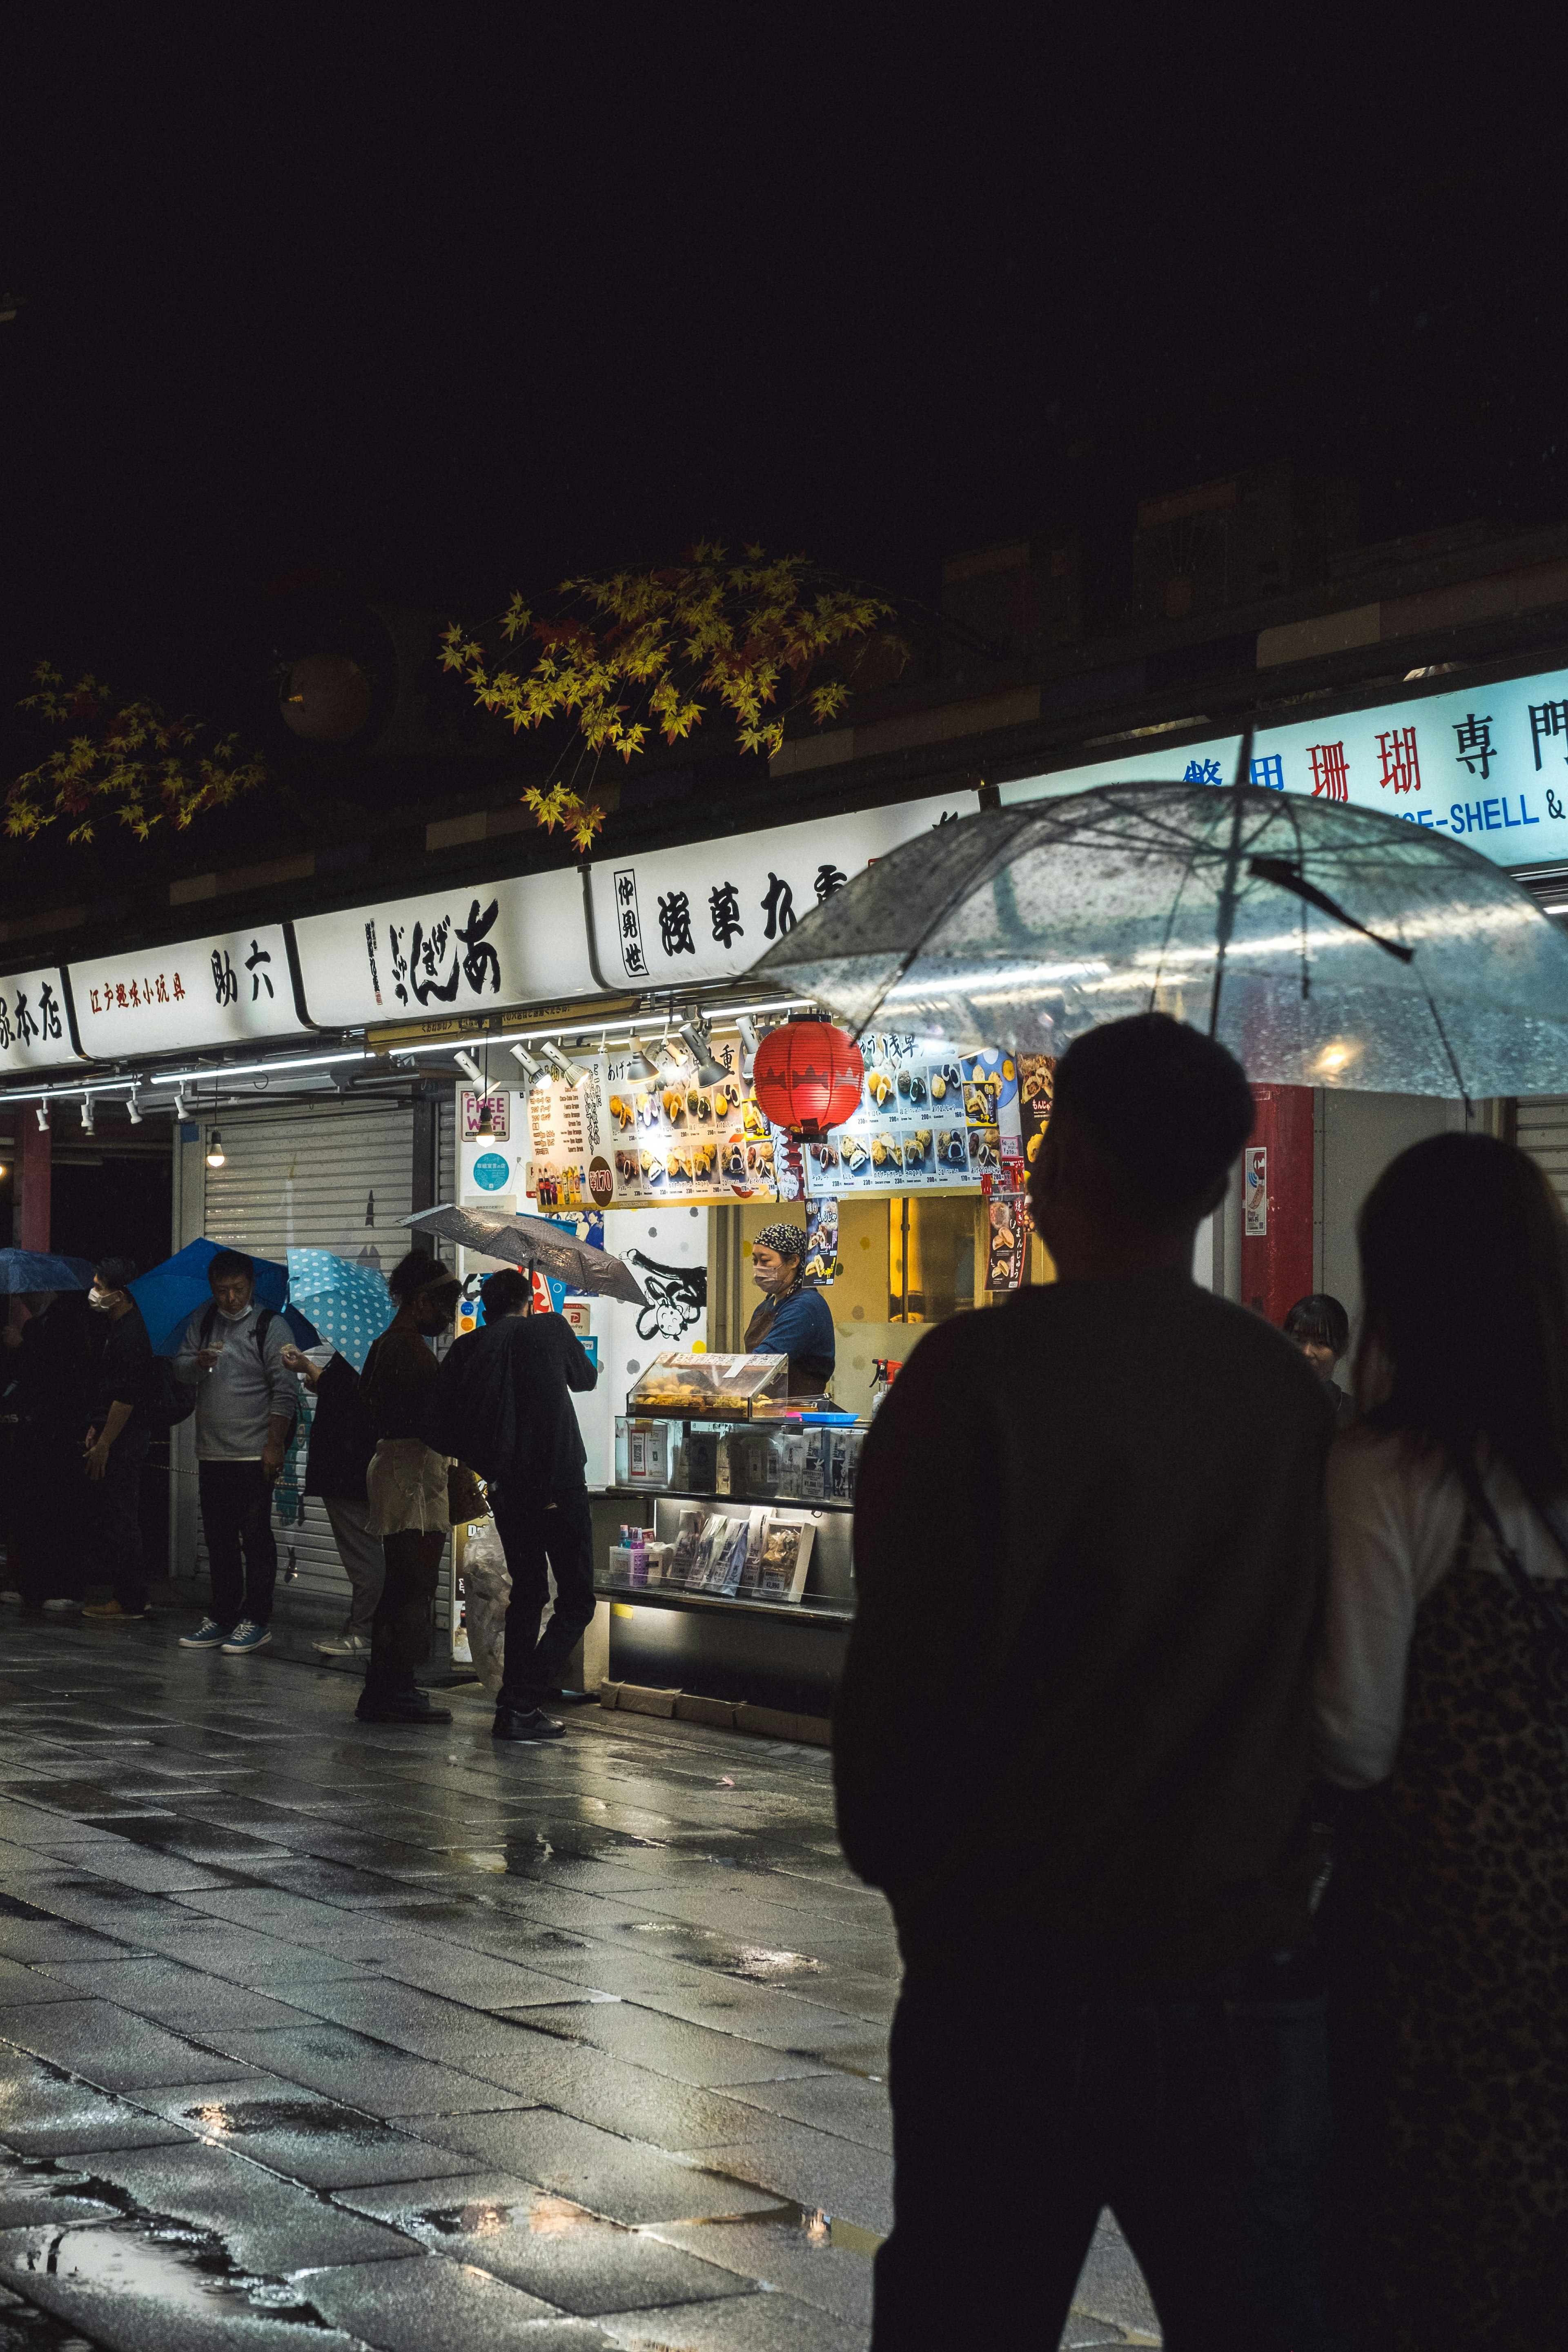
1487,765
35,1026
209,991
707,911
454,950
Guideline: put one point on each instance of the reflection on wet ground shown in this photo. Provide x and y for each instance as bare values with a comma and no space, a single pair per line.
314,2034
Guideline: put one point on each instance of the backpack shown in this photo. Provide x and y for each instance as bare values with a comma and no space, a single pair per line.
168,1401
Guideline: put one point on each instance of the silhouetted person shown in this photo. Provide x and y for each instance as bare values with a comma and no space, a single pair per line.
54,1365
508,1408
406,1484
116,1444
1441,1695
1073,1745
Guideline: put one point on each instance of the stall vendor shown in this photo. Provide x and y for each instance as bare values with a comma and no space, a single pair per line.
794,1320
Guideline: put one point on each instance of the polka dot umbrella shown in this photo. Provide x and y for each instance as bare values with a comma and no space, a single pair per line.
349,1305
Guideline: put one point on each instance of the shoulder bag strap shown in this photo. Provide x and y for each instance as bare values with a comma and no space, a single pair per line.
1543,1606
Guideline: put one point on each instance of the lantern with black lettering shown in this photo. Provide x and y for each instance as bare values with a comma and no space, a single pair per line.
807,1077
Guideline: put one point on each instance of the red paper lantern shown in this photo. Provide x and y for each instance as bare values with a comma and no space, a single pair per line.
807,1077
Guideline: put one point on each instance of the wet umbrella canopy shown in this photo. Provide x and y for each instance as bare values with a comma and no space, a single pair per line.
24,1270
533,1240
1325,945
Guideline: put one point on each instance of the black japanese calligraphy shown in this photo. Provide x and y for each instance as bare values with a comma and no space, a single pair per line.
225,986
1475,736
674,924
480,961
724,906
828,880
259,956
778,906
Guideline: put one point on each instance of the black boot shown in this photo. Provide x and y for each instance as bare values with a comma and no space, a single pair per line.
384,1702
515,1719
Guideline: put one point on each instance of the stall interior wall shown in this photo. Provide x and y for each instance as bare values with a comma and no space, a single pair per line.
330,1176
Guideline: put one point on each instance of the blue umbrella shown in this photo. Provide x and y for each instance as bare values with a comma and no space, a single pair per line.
23,1269
170,1294
349,1305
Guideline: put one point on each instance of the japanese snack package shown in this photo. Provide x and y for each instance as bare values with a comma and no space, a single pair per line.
688,1536
786,1550
730,1558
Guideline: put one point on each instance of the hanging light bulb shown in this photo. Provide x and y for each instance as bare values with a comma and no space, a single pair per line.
216,1154
485,1125
130,1106
87,1114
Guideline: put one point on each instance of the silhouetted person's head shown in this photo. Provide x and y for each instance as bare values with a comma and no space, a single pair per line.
509,1292
1147,1119
426,1291
1464,1270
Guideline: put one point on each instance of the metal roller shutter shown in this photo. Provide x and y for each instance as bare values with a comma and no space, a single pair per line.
1541,1130
335,1177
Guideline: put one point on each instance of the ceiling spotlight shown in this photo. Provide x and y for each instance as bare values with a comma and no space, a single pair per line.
181,1113
573,1072
699,1044
87,1114
644,1054
526,1062
216,1154
130,1106
44,1117
467,1062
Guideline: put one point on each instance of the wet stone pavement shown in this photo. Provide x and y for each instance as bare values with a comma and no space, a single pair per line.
325,2035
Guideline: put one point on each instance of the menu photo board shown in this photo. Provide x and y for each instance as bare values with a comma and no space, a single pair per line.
910,1130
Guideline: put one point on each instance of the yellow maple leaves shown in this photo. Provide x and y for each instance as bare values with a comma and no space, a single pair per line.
135,760
653,650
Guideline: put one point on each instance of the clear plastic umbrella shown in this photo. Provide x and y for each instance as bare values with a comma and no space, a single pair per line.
1325,945
532,1241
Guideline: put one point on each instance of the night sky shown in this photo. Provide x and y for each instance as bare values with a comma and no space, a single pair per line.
453,300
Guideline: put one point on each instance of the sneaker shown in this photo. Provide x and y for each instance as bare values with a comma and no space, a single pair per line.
110,1612
526,1723
399,1706
62,1605
344,1645
209,1635
247,1636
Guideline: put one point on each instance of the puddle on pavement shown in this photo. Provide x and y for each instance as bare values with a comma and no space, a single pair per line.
819,2229
227,2117
757,1963
147,2257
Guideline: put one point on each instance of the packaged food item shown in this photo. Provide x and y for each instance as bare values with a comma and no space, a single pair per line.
815,1470
787,1550
792,1463
730,1555
688,1536
727,1387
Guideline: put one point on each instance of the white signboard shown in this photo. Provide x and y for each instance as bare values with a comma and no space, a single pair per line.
34,1030
457,949
226,990
708,910
1487,765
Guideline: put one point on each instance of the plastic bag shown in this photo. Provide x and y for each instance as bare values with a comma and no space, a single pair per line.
488,1588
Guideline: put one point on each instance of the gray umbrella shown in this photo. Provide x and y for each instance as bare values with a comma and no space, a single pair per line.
1326,945
533,1240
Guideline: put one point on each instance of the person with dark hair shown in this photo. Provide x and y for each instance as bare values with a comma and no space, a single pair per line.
1441,1700
407,1484
53,1368
246,1399
508,1390
1321,1329
116,1444
794,1319
337,1464
1073,1742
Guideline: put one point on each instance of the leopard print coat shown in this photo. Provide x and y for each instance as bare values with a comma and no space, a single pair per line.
1462,1872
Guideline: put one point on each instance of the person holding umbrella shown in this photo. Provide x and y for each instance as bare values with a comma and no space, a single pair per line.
508,1389
232,1353
115,1448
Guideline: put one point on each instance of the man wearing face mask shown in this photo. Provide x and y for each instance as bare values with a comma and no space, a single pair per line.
246,1399
117,1441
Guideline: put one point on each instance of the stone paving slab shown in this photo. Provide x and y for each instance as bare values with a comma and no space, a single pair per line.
321,2035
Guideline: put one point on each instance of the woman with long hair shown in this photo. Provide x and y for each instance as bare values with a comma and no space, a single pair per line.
1441,1696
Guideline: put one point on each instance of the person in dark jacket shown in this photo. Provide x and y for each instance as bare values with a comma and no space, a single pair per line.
1321,1329
406,1484
794,1319
342,1441
507,1409
1073,1744
54,1366
116,1446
